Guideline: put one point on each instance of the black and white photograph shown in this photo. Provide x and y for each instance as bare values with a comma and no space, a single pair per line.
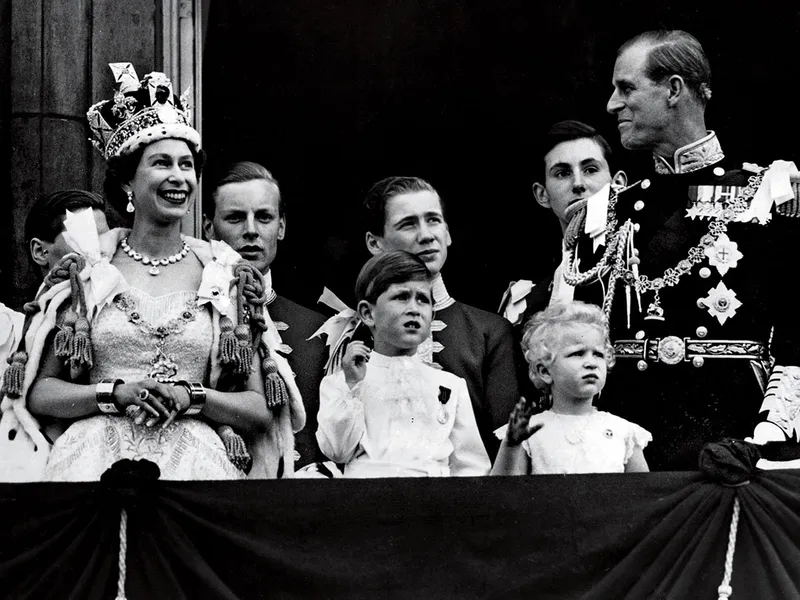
404,299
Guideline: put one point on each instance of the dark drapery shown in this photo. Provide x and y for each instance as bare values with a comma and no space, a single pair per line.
648,536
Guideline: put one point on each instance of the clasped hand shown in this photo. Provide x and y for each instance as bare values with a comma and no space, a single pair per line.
149,401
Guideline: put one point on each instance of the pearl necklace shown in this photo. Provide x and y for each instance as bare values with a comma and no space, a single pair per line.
145,260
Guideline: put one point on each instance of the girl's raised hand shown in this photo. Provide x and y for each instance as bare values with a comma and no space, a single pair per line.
354,362
519,427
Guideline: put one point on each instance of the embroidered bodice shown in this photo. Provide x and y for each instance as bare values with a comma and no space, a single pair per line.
139,336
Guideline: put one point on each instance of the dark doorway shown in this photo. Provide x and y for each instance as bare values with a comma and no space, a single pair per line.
333,95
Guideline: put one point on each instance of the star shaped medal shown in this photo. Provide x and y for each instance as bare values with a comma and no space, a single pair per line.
721,302
723,254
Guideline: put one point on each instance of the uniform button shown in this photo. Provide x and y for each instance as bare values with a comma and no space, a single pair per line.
636,227
641,365
705,272
698,361
701,332
719,171
700,303
638,205
639,335
645,184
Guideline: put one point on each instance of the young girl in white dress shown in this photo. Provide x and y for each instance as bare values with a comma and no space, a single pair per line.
569,353
386,413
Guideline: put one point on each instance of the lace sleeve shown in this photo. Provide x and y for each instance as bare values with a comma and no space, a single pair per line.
636,437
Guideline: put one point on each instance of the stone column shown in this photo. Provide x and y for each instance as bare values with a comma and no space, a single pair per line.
59,59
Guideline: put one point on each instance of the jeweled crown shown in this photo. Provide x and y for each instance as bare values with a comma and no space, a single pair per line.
141,112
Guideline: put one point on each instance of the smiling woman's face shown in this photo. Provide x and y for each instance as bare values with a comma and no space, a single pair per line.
165,182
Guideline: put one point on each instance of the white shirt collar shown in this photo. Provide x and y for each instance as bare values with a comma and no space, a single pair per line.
271,295
376,359
441,298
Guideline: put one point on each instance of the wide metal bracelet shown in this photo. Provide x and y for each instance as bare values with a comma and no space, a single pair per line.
104,394
197,396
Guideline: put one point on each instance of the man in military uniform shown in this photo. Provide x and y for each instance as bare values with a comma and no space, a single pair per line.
692,268
573,164
247,211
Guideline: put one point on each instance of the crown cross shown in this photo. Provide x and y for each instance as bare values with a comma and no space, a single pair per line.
139,113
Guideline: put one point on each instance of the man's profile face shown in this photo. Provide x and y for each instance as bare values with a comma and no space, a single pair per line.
60,247
574,170
639,103
415,223
248,219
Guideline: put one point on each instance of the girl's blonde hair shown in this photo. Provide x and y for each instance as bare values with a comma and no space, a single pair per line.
542,335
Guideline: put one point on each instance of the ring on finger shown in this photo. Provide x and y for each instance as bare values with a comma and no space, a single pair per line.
144,394
132,411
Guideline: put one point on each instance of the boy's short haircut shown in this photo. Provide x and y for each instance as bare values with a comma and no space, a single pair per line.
45,219
566,131
384,190
387,268
542,333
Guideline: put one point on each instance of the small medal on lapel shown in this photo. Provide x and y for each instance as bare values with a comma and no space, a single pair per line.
444,398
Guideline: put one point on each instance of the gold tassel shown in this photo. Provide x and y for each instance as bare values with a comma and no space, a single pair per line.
82,343
15,375
63,342
274,386
236,448
227,341
244,349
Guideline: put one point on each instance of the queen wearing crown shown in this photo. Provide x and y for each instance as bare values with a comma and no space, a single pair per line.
144,343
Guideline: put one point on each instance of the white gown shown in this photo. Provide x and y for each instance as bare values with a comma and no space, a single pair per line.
136,337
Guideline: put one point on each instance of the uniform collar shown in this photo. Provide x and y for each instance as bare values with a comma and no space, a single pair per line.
692,157
271,295
441,299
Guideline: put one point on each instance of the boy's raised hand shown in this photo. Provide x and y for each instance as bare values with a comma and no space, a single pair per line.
354,362
519,427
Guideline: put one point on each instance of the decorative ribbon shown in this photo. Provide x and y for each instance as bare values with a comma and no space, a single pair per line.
513,303
775,189
597,216
338,329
